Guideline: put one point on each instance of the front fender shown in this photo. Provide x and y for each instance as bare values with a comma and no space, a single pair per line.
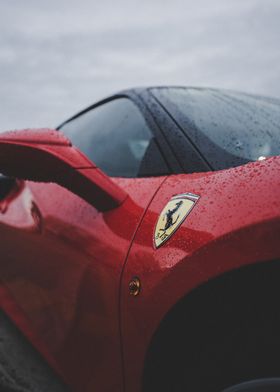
235,223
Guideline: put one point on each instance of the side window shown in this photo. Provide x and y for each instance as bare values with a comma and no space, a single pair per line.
117,138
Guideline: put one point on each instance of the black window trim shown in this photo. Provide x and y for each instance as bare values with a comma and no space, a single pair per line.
93,106
189,146
133,96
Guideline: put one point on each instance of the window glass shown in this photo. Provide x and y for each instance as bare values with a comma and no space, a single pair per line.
115,136
228,128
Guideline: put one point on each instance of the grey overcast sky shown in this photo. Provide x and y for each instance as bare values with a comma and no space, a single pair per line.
58,56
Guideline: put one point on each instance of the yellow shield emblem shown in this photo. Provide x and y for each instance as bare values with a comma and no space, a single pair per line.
172,216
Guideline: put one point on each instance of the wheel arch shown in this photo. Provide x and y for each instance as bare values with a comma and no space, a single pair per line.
232,297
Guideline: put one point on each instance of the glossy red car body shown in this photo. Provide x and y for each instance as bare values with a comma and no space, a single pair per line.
65,267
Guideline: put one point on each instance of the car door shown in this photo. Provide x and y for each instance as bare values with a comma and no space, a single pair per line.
62,259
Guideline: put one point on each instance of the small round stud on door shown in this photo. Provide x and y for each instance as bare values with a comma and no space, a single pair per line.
134,286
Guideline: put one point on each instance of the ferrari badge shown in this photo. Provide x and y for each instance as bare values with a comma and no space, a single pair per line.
172,216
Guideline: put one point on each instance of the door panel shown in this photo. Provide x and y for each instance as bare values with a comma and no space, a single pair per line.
61,263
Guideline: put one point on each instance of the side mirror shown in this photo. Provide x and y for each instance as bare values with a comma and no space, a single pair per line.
46,155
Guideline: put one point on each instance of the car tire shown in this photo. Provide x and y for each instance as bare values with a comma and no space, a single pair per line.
222,335
263,385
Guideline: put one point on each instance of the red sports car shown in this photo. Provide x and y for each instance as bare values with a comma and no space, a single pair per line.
140,246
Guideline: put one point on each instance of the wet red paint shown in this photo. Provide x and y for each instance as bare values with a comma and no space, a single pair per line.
64,276
62,263
236,222
46,155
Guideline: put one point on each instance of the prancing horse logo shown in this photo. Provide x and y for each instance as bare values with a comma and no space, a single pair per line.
172,216
169,218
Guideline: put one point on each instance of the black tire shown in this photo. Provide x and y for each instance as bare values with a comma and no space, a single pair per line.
221,335
264,385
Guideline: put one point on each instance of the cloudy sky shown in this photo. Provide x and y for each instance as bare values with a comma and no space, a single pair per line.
58,56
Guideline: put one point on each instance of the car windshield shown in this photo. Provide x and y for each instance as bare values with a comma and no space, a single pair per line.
227,128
